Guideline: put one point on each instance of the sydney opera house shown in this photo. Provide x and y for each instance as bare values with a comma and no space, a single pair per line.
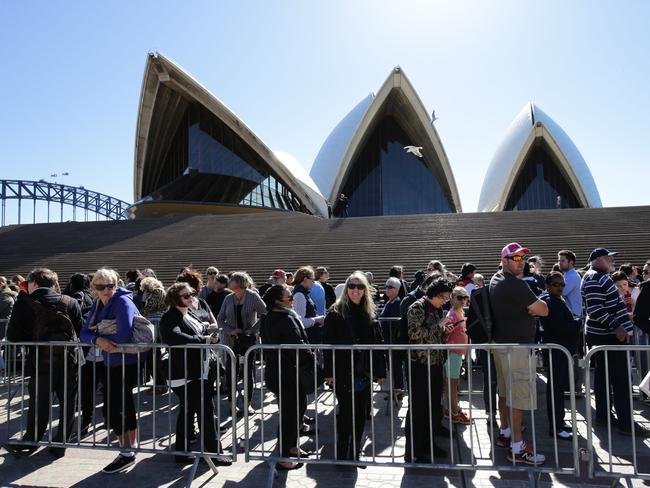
194,155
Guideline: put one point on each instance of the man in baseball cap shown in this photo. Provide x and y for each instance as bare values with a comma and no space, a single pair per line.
608,323
514,307
278,277
512,249
600,252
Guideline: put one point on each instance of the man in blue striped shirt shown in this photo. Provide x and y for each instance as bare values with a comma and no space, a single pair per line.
608,323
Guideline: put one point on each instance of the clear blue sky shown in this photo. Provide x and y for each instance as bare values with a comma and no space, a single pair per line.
72,71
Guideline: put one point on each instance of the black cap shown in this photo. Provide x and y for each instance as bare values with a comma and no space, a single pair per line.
599,252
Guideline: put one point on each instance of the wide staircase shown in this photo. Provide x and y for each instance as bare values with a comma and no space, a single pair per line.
259,243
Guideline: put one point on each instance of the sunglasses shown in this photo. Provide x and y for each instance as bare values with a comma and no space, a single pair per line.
186,296
558,284
462,298
515,258
355,286
390,287
101,287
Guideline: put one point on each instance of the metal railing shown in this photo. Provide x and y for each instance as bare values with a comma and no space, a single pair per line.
384,443
43,369
388,433
617,378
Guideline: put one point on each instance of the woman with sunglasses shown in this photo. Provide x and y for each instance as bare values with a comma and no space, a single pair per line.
282,325
560,327
352,320
188,372
427,325
116,304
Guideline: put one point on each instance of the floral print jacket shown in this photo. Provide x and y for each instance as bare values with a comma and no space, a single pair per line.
424,328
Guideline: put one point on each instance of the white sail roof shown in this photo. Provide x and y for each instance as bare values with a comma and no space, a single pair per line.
160,70
332,164
528,126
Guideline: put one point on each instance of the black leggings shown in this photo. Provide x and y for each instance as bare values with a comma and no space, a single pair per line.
93,375
425,409
191,405
292,406
120,391
350,427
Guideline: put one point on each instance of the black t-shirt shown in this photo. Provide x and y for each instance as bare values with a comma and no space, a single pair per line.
510,298
215,300
240,321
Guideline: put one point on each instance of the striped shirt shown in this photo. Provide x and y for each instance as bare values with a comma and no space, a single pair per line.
605,307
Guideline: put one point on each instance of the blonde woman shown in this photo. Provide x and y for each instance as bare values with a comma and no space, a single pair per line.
116,303
352,320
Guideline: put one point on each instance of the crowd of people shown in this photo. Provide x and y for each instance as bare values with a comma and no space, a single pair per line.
575,308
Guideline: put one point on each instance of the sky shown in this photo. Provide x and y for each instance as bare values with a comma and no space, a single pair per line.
291,69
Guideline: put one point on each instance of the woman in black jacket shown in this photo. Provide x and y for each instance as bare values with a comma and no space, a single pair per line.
352,320
188,375
283,326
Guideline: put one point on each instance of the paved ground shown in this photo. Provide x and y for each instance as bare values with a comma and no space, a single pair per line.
470,445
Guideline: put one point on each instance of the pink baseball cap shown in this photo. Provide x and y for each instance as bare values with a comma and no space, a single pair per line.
279,273
513,248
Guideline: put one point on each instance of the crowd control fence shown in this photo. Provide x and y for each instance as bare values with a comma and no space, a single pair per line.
381,409
62,394
617,445
415,430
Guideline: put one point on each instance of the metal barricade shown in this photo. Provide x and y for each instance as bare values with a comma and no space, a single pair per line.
392,430
148,423
619,453
3,334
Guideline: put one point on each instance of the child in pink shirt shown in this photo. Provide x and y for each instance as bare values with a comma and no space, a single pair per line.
457,335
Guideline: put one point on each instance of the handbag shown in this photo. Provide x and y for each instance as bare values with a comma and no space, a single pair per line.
142,331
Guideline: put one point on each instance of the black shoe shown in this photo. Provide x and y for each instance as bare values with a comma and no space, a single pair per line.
57,452
20,450
221,460
119,464
308,420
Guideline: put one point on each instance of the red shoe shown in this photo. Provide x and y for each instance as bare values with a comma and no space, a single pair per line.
461,417
526,456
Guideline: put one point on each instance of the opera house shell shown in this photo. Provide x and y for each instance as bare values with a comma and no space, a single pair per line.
194,155
366,158
537,166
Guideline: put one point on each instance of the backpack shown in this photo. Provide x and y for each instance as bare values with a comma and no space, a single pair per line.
52,323
85,301
480,322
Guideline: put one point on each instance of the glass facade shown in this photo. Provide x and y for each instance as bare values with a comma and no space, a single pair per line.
386,180
207,162
541,185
